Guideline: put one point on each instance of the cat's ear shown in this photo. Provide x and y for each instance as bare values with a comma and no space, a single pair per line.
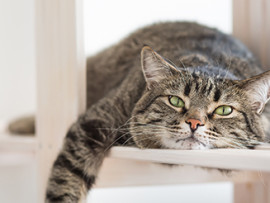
258,90
155,67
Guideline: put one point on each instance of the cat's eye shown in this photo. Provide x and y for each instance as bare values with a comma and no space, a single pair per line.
176,101
223,110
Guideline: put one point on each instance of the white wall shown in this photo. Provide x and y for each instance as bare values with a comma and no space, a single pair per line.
17,89
17,183
17,70
107,21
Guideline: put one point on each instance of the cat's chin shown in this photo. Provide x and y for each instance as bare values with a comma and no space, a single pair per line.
187,144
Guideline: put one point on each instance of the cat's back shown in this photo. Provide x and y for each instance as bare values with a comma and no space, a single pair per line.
185,44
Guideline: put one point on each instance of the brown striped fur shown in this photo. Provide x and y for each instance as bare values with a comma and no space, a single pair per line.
128,106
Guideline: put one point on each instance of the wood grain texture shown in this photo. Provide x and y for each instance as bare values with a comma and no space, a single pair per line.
251,24
60,63
257,191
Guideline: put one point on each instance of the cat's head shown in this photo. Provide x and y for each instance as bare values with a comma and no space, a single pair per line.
186,109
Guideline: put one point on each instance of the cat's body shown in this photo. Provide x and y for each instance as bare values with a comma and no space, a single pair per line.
202,101
185,44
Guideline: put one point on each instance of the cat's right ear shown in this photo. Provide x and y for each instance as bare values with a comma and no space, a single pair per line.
155,67
258,90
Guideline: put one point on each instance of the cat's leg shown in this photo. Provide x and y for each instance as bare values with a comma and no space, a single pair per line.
76,167
87,143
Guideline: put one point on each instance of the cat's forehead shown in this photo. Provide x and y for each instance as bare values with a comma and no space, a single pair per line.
203,88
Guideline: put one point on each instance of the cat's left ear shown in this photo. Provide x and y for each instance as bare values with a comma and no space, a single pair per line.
155,67
258,90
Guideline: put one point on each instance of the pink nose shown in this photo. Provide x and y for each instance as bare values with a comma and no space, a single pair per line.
194,123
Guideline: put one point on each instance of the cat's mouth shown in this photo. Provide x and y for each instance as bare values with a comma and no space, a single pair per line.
190,142
191,138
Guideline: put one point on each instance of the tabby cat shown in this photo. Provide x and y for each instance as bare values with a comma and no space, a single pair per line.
191,87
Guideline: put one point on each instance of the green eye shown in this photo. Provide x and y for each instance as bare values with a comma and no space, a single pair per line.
223,110
176,101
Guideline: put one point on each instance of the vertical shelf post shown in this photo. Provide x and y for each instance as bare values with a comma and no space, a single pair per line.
251,24
61,88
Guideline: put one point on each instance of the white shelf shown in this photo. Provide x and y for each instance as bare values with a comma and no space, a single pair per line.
23,149
14,159
126,166
17,149
17,143
237,159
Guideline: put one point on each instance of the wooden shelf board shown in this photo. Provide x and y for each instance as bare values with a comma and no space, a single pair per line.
127,166
15,147
17,143
237,159
14,159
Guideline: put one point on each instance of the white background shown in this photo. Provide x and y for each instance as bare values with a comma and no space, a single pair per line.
106,22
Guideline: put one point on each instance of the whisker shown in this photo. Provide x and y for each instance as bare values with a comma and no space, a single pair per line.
145,138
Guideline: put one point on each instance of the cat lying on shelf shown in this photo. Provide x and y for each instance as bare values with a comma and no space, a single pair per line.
191,87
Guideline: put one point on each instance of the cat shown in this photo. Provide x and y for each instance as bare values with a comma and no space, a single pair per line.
174,85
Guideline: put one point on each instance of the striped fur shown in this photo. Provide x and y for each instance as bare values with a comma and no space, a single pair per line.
128,106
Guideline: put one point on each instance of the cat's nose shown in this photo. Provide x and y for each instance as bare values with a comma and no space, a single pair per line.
194,123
